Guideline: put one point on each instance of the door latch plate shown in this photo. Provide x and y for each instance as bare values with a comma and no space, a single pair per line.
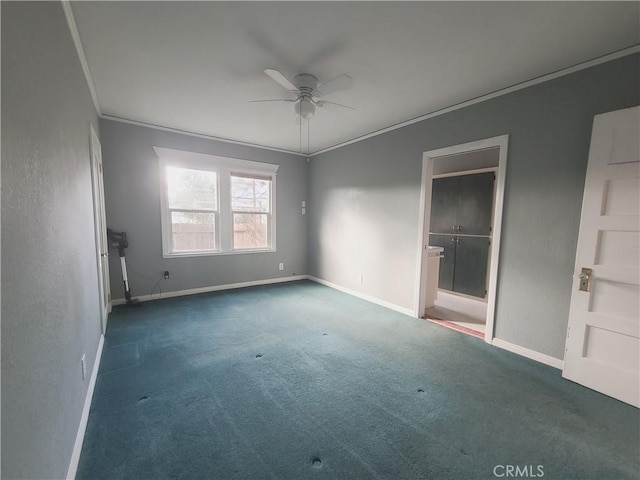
585,279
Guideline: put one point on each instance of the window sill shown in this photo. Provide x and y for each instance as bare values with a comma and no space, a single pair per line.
217,253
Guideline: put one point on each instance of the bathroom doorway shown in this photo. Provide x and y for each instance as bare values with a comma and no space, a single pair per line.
461,215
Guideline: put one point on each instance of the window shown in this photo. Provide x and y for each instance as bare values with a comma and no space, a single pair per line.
214,205
192,206
251,209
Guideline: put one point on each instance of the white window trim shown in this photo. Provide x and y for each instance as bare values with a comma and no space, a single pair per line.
225,168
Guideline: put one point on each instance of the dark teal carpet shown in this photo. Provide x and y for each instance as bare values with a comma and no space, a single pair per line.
299,381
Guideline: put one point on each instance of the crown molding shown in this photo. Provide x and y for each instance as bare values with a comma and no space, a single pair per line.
73,28
199,135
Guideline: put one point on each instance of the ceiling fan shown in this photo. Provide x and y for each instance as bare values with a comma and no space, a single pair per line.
308,94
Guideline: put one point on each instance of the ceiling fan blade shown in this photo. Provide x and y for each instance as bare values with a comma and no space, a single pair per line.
281,79
274,100
341,82
321,103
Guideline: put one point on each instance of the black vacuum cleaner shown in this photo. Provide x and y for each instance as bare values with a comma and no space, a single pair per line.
118,240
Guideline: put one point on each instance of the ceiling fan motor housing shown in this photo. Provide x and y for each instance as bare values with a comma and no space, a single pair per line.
305,83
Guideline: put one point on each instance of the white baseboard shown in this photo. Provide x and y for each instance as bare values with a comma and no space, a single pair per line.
532,354
77,448
214,288
364,296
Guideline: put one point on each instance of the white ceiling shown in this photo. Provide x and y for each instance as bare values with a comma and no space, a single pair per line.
194,66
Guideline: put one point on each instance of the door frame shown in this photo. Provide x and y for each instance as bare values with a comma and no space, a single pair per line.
424,218
100,227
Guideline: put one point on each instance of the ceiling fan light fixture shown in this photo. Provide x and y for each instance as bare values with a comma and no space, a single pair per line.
305,108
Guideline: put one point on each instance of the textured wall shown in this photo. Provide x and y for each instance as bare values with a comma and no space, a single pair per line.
50,313
364,199
132,191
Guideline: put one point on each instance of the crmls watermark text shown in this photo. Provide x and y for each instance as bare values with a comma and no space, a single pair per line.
518,471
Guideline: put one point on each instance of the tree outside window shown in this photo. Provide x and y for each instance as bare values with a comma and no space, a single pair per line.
251,208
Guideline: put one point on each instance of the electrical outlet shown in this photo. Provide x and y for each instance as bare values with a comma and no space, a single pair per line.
281,266
166,275
82,366
360,278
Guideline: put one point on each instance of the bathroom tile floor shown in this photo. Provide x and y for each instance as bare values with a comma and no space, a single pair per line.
459,310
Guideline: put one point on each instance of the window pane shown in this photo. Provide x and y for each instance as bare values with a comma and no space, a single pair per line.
250,194
250,230
192,189
193,231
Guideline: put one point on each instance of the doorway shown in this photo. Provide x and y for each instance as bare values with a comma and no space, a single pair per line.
466,239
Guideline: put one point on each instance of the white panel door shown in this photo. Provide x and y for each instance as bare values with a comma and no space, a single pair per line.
603,349
102,246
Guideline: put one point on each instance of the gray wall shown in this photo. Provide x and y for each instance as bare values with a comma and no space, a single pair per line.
132,191
365,198
50,313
